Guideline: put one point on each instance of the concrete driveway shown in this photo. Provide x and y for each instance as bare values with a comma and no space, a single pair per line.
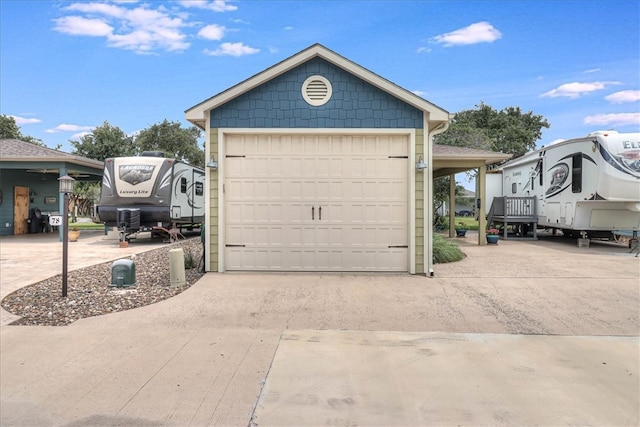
522,333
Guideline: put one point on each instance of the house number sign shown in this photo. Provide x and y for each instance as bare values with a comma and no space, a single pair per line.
55,220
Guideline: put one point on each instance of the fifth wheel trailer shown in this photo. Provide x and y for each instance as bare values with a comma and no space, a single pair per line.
584,186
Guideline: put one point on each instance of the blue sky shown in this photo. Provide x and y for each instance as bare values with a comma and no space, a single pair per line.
66,67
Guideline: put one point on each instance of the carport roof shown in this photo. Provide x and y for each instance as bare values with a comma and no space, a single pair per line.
449,159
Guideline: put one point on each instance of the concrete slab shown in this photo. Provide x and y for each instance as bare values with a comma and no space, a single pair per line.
132,376
202,357
349,378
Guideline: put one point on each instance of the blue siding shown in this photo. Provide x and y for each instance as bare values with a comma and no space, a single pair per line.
43,185
279,104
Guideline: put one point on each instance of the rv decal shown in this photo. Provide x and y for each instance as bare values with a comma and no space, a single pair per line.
626,162
136,174
559,175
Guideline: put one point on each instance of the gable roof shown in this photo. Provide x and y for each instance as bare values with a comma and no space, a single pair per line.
14,150
198,113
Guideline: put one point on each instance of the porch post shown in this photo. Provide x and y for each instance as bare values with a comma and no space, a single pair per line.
482,210
452,205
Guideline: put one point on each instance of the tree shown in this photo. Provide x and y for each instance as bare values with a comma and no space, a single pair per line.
173,140
508,131
9,129
441,194
103,142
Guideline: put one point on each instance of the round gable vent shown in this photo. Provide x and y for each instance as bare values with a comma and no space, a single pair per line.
316,90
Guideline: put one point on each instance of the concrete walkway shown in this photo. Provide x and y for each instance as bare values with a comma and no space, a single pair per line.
522,333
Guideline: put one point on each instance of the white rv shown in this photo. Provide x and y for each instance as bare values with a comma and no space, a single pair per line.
150,193
589,184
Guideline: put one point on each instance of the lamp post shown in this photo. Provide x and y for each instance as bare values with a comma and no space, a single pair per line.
66,187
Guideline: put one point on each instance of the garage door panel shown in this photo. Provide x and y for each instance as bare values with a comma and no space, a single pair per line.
317,202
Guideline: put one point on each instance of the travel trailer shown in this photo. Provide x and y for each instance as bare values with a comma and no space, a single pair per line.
151,193
586,187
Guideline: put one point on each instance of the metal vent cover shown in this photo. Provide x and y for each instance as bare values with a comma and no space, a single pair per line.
316,90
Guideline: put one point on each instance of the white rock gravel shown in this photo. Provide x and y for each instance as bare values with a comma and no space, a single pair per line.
89,292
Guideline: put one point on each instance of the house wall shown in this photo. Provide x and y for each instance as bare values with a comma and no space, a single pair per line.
43,185
279,104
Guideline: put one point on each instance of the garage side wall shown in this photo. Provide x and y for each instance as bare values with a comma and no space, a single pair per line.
213,200
419,206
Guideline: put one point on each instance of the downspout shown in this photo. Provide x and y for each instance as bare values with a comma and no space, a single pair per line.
428,199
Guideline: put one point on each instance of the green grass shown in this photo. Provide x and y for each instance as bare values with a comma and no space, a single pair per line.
86,225
445,250
469,223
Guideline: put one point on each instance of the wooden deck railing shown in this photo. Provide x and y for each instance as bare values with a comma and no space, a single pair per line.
513,210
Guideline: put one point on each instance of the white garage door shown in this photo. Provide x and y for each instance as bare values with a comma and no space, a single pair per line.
316,202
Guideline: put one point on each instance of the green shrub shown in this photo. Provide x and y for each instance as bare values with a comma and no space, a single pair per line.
190,260
445,250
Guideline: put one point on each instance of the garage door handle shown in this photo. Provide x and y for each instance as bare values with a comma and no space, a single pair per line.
313,208
320,213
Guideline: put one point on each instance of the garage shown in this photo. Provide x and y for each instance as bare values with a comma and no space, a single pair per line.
316,202
318,164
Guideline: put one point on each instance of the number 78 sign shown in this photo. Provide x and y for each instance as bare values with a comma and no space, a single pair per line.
55,220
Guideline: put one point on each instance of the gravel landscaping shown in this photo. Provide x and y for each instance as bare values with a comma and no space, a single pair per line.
89,292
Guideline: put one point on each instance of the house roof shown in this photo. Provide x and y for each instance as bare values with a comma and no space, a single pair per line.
16,151
198,113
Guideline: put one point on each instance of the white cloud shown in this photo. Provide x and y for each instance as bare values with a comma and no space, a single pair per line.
288,28
79,135
140,29
576,89
480,32
212,32
419,93
424,49
215,5
24,120
592,70
68,128
616,119
623,96
232,49
79,26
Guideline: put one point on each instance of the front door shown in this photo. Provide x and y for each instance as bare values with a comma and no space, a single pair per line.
20,209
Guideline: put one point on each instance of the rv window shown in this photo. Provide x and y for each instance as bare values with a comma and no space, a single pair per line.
576,173
183,185
199,189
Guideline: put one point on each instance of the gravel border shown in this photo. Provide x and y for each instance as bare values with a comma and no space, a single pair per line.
89,292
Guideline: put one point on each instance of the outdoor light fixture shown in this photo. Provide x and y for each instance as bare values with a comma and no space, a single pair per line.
212,163
66,187
421,165
66,184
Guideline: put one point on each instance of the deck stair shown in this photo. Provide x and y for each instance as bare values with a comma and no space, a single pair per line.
519,212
